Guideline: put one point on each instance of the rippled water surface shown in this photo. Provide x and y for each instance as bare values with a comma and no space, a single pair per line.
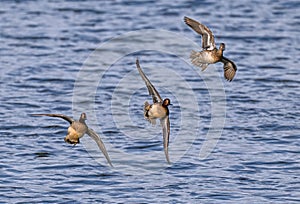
48,65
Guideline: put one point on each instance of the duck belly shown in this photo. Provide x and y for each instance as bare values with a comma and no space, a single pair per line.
157,111
72,136
203,57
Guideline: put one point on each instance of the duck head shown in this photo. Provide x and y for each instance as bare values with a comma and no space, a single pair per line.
82,117
166,102
222,47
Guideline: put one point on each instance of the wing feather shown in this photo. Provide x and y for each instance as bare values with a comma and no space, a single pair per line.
165,123
100,144
151,89
208,39
229,69
67,118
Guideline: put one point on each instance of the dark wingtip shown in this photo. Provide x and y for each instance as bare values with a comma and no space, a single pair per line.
167,157
137,62
109,161
185,19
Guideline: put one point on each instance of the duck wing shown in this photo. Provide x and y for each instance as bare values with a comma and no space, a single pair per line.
100,144
229,68
151,89
208,40
165,124
67,118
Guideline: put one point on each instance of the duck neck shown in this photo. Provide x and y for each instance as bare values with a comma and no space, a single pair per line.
81,120
220,53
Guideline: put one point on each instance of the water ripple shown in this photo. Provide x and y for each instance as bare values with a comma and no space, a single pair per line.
43,48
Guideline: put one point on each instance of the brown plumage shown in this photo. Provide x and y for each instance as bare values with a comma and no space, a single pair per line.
210,54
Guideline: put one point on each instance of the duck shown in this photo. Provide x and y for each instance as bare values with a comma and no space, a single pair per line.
77,129
210,54
158,110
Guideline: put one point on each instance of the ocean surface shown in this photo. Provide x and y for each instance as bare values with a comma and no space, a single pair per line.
230,142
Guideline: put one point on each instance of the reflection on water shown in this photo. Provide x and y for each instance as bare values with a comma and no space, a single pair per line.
44,52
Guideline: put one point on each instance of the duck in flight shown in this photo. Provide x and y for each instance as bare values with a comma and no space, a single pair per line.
157,110
210,54
78,129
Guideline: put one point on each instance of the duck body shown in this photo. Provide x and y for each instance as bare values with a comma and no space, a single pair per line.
210,54
157,110
204,58
77,129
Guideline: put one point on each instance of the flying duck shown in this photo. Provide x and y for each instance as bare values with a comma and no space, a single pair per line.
77,129
210,54
157,110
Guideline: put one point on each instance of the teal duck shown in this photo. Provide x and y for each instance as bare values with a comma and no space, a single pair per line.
78,129
210,54
157,110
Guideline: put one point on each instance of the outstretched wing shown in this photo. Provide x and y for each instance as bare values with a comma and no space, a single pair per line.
100,144
165,124
208,40
229,68
151,89
70,120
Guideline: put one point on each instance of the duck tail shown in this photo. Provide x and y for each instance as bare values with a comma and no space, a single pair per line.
193,55
196,60
146,109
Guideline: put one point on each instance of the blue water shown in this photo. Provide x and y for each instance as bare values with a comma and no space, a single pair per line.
46,49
